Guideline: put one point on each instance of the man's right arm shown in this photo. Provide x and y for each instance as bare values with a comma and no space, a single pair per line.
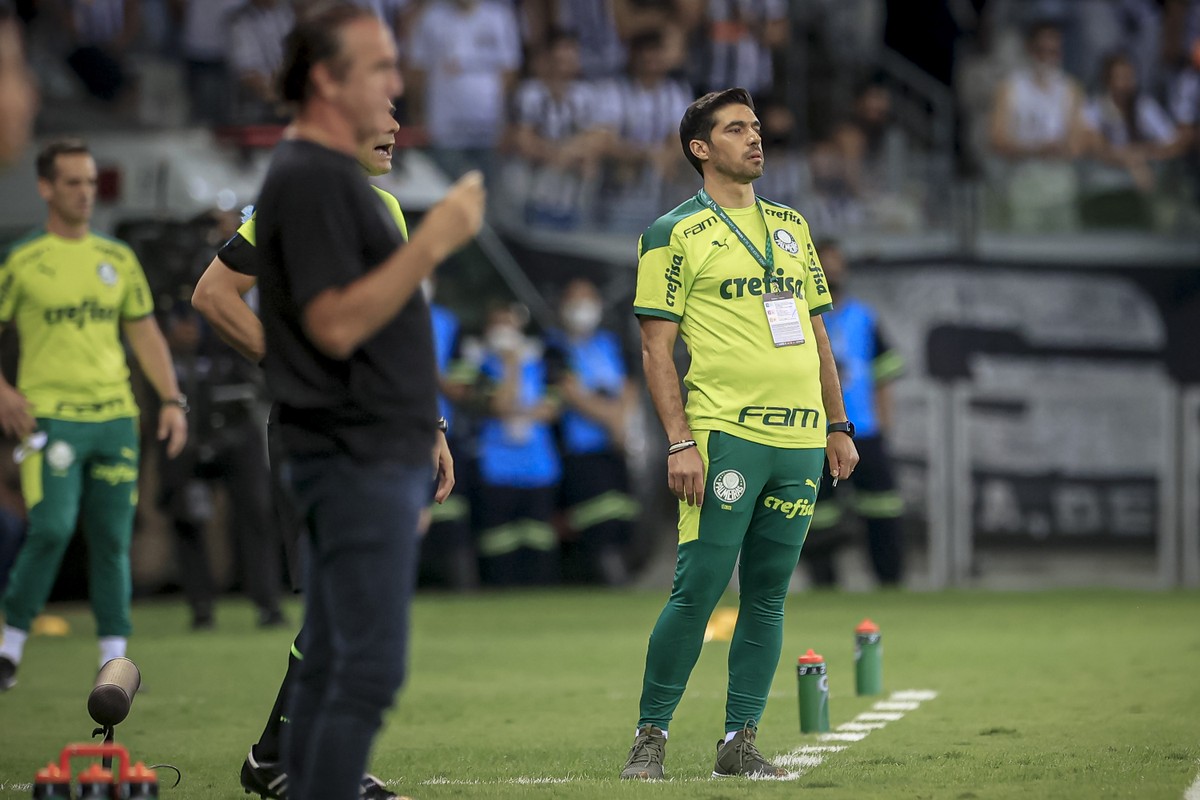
685,469
15,419
219,299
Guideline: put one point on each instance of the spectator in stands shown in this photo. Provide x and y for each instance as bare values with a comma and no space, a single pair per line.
1037,128
101,33
519,467
256,33
599,401
560,132
1130,133
463,59
1184,99
871,146
743,36
643,110
593,24
204,32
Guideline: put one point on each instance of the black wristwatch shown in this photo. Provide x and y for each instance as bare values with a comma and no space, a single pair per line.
846,427
179,400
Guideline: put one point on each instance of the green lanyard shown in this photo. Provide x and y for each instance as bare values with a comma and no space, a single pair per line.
767,262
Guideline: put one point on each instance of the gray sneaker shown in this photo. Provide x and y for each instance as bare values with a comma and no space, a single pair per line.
645,762
739,756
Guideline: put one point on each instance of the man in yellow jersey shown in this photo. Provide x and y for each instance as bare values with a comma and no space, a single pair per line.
219,297
71,294
739,278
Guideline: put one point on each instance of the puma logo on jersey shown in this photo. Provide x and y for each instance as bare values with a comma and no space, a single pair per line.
812,483
719,244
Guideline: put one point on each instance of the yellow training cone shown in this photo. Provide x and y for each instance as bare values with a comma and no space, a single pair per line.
720,625
50,625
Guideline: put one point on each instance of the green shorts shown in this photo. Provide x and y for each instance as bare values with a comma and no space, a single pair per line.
772,489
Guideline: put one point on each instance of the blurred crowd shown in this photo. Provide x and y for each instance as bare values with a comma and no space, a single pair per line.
1068,110
1084,115
540,423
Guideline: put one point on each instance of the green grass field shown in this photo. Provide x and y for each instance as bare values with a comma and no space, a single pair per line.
1081,694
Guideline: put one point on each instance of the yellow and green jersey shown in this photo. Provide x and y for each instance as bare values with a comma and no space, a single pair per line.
692,269
67,298
246,231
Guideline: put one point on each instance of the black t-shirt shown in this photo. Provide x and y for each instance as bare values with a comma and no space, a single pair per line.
320,226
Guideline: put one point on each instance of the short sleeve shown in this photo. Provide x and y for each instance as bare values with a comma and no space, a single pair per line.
663,278
138,302
527,104
886,363
816,289
9,292
510,39
1185,97
1154,121
239,253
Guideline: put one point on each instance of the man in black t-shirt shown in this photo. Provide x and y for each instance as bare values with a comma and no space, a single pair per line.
220,298
351,366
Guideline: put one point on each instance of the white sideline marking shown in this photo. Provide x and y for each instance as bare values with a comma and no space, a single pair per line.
1193,791
893,709
880,716
894,706
861,726
798,761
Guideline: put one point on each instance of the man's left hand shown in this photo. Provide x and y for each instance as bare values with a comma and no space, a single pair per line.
173,429
443,465
842,455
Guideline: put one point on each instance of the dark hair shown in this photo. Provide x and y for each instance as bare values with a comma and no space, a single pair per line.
558,36
316,37
47,159
647,40
1039,26
698,120
1127,109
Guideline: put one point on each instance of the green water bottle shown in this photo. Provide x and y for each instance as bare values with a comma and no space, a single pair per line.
814,693
868,659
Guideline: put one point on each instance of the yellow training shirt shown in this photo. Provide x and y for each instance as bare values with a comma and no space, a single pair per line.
692,269
68,298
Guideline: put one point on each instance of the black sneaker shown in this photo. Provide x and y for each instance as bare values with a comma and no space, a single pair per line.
372,788
8,673
267,779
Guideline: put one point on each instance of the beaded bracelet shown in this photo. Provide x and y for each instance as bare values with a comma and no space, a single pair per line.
679,447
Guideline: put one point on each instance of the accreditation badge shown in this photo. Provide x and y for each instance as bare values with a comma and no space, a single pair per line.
783,317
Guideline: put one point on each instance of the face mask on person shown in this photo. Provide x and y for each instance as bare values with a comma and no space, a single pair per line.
503,338
581,317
